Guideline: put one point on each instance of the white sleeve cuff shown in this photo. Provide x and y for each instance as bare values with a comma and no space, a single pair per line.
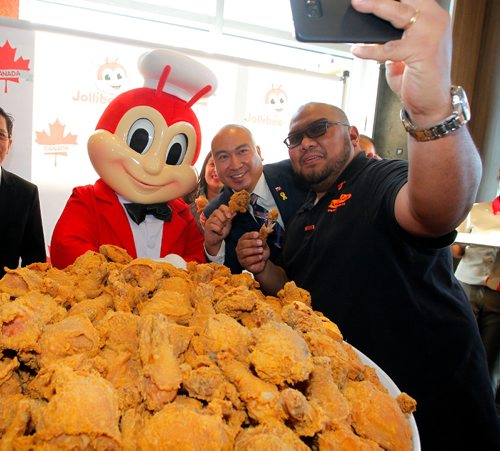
221,255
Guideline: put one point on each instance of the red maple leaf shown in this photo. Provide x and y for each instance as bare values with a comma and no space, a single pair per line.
56,135
9,66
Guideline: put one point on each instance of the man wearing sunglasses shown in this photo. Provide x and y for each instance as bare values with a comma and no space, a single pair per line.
21,232
372,241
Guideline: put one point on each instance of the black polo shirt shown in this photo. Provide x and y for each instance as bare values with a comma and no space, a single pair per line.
394,297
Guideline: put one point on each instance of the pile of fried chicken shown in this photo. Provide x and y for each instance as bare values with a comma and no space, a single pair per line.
116,353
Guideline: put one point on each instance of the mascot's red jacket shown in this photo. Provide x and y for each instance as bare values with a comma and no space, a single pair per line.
94,216
144,148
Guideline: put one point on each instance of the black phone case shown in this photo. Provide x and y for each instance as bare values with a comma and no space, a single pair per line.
336,21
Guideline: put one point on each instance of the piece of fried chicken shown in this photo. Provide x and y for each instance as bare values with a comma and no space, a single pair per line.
178,426
23,320
219,333
377,416
89,272
323,390
207,382
162,374
118,360
280,354
172,304
239,201
200,202
71,336
269,437
115,254
262,399
306,417
291,292
19,281
345,439
82,413
269,224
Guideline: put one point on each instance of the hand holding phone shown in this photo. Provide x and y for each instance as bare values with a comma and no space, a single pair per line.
336,21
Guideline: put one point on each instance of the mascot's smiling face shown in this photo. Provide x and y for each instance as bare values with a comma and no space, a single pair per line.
147,140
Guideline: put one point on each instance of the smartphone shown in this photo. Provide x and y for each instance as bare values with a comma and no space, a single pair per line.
336,21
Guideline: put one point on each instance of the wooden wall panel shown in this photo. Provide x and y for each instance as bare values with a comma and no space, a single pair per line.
468,22
475,58
486,86
476,66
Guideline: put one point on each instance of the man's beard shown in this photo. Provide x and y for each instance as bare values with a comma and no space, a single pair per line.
322,179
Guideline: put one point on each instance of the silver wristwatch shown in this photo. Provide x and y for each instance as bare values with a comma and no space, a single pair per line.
459,117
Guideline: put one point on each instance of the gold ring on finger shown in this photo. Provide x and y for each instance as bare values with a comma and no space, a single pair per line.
412,20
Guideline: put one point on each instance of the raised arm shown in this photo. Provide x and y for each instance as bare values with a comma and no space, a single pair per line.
444,173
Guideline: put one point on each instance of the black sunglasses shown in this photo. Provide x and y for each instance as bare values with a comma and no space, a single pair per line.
314,130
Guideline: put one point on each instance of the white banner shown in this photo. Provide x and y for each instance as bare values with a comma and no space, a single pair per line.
77,77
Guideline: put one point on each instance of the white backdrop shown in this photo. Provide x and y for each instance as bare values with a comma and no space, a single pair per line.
59,101
16,94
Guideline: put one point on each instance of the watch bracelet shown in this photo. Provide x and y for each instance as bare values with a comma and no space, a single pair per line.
447,126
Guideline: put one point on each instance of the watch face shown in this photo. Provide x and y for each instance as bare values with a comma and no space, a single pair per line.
460,103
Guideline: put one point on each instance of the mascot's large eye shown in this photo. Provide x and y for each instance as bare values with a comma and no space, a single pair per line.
141,135
177,149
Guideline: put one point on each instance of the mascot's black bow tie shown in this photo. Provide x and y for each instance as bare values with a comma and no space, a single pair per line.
139,211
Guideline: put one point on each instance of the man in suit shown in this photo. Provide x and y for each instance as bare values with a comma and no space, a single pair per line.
21,232
239,167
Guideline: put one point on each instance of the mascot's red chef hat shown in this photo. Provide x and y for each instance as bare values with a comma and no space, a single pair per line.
173,82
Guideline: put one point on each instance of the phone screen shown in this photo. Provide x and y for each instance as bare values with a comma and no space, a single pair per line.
336,21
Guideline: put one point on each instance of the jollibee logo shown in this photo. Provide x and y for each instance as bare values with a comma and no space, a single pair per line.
340,202
110,77
276,98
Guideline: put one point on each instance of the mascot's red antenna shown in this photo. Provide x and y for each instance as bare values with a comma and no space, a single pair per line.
198,95
163,79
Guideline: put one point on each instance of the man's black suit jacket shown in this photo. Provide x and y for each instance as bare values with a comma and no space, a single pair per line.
21,231
289,194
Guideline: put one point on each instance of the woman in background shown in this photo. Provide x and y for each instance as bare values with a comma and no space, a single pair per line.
208,188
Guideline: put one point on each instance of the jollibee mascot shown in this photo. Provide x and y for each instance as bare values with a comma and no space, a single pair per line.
144,148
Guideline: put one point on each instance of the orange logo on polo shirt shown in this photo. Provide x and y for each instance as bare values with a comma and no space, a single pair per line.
340,202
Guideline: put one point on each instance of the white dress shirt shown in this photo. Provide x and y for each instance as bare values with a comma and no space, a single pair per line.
147,235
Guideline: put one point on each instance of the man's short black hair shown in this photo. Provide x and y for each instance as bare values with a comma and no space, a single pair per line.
9,120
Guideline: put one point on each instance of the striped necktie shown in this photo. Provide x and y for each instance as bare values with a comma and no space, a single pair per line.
261,215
